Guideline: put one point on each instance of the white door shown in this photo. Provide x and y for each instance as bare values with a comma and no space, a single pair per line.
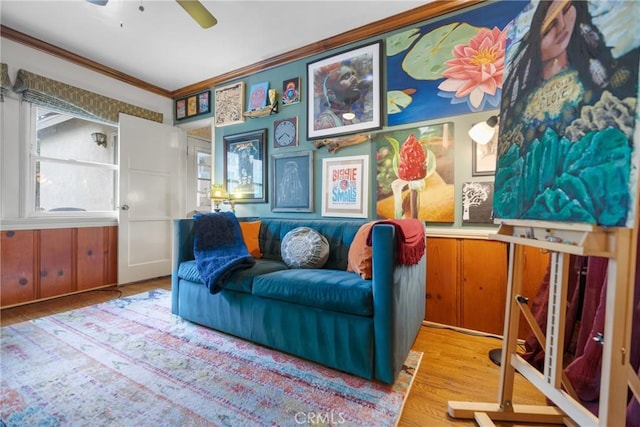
149,161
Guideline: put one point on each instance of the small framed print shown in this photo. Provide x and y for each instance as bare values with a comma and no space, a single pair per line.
245,166
181,109
193,105
292,186
204,102
229,105
345,186
291,91
484,156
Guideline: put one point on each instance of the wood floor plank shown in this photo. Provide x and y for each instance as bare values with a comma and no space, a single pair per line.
455,365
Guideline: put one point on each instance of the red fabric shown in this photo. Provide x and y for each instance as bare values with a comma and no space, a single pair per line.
409,238
585,360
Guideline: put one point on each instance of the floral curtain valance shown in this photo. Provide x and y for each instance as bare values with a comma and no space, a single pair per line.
5,81
70,99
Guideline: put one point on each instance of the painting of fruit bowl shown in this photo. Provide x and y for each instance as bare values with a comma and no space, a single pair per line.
415,173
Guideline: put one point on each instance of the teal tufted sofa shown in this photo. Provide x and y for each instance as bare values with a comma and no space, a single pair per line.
329,316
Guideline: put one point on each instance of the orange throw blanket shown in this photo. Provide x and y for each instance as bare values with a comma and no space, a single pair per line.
409,238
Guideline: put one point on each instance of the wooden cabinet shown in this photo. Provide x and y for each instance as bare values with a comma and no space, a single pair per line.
41,264
467,282
56,267
18,266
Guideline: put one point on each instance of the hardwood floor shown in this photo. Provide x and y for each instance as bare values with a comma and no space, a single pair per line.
455,365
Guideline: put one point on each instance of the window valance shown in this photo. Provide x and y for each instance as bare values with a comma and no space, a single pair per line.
72,100
5,81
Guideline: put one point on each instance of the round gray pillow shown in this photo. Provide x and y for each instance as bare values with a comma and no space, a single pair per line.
304,247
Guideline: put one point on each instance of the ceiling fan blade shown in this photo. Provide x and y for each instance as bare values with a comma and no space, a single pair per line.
99,2
198,12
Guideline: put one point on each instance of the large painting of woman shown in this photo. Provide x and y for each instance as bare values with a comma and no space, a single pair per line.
567,145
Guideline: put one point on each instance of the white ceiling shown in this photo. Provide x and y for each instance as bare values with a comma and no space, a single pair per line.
164,47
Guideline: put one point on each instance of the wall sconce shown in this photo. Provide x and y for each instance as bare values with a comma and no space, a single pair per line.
99,138
218,195
483,132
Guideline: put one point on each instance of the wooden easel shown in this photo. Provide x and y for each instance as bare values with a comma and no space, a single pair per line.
617,376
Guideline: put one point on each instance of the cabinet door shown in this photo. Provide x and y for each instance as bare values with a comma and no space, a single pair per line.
441,287
56,253
484,285
112,256
17,266
91,257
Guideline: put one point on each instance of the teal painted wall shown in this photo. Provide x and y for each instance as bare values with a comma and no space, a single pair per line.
275,77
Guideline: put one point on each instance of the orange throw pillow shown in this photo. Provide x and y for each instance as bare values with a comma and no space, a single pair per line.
250,232
360,254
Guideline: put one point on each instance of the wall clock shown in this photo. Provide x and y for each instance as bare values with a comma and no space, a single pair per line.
285,132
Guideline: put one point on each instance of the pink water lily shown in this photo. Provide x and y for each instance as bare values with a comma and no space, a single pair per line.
475,74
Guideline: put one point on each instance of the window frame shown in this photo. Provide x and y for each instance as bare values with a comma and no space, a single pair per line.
33,158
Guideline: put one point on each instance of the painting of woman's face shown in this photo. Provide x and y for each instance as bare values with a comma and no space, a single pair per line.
556,29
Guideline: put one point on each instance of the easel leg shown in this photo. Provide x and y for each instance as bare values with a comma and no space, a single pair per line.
505,410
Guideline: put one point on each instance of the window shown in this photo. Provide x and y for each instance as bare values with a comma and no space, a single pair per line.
70,172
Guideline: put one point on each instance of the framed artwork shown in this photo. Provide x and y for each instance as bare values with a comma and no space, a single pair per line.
285,132
204,102
258,96
181,109
443,68
245,166
483,157
415,173
477,202
193,105
344,93
229,105
345,186
291,91
292,185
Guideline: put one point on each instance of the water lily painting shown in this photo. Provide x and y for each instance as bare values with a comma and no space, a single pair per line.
451,67
567,147
415,173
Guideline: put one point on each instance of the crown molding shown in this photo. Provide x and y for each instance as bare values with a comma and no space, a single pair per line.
411,17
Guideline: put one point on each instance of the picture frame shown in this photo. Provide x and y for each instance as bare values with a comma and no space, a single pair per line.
328,105
245,166
204,102
292,182
181,109
484,156
345,186
258,96
229,105
477,202
193,105
291,91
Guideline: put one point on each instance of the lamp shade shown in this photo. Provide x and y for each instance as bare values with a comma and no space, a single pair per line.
219,193
484,132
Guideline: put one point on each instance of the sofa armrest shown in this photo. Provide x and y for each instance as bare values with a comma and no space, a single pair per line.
398,303
182,251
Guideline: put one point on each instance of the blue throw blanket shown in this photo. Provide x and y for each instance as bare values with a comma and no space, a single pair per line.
219,249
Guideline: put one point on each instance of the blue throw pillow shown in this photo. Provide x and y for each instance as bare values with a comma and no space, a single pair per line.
304,247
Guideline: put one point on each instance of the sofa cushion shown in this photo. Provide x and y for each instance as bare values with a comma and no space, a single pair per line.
332,290
304,247
250,232
240,281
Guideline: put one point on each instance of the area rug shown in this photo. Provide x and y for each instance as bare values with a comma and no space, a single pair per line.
130,362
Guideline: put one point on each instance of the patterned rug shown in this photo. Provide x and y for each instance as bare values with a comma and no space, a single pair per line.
130,362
